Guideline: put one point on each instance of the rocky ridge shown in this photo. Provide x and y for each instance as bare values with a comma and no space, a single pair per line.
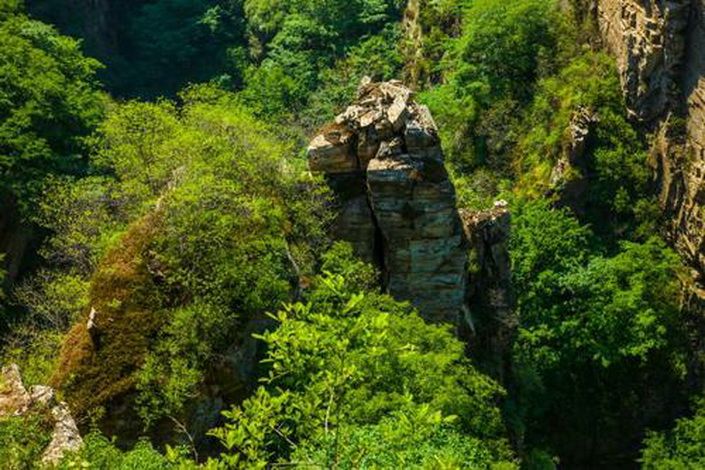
382,157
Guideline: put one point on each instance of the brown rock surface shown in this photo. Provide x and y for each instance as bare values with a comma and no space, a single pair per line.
383,159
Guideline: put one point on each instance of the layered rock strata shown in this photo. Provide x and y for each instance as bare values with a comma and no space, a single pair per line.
648,39
383,159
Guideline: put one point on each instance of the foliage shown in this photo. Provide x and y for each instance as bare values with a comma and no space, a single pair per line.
615,157
33,349
49,101
293,44
155,48
2,279
100,453
23,439
230,224
345,364
407,439
179,223
372,57
490,68
598,336
680,448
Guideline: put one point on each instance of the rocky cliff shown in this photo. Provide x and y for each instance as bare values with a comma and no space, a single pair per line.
658,45
397,206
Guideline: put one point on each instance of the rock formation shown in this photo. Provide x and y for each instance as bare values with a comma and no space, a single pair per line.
648,39
658,45
15,400
490,297
383,159
569,175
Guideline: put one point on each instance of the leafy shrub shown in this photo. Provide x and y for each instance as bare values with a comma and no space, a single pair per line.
680,448
599,337
23,439
100,453
346,364
224,226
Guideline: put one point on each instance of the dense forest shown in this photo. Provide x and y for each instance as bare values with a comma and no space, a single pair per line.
187,279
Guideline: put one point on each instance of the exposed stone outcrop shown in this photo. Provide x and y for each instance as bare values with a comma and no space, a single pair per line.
65,437
658,45
569,175
490,295
648,39
15,400
14,397
383,159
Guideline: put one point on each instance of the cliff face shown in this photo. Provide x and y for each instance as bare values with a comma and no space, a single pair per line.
659,46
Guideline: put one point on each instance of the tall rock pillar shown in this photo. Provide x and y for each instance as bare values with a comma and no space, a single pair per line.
383,159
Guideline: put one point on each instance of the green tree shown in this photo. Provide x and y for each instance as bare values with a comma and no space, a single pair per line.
49,101
202,221
345,367
293,43
488,71
599,336
679,449
614,163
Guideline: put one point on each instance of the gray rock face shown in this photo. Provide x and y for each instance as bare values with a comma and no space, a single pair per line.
15,400
383,159
648,39
65,437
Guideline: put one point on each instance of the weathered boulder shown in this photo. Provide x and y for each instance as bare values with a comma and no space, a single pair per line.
383,159
15,400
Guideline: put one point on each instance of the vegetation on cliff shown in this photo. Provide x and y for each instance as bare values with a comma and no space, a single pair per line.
187,299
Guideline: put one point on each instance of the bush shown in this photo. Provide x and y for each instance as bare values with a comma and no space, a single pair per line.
23,439
345,365
680,448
